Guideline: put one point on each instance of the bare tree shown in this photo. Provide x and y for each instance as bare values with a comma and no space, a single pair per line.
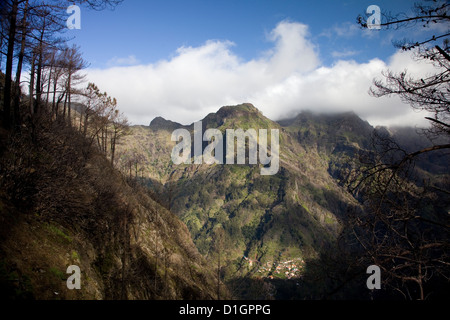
16,96
91,99
119,124
430,93
10,11
74,63
405,228
58,92
102,121
32,27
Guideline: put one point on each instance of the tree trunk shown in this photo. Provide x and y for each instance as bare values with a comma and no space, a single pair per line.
54,108
105,141
49,85
9,64
60,98
37,102
70,100
31,93
65,106
113,147
17,91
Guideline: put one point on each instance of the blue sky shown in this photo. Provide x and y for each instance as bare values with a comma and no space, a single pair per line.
182,59
150,30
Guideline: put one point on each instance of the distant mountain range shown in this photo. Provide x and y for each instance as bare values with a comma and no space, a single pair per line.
292,214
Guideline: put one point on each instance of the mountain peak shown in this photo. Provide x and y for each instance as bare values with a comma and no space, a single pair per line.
242,116
238,110
161,123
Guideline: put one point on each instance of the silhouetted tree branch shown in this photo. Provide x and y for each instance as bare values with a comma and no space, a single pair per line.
405,226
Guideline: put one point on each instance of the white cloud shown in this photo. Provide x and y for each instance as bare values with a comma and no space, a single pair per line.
127,61
285,80
345,29
344,54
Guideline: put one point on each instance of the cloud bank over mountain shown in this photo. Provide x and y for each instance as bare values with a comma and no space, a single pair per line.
281,82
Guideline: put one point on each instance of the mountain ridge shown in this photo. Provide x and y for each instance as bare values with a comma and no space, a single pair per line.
289,215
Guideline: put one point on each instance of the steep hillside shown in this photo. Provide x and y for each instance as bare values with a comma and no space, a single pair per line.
267,219
62,203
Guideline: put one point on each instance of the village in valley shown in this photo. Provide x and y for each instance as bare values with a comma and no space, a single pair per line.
289,269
